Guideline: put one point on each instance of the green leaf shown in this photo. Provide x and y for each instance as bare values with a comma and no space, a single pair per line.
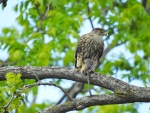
25,90
13,79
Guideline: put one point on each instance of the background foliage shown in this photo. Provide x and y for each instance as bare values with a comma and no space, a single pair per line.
49,39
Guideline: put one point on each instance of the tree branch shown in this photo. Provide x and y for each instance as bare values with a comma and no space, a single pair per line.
89,17
4,2
144,2
73,91
42,16
4,63
123,92
50,84
47,9
7,105
108,49
84,102
28,72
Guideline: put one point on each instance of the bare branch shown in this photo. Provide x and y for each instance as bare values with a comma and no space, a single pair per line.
42,16
50,83
89,17
108,49
6,62
33,100
84,102
61,89
73,91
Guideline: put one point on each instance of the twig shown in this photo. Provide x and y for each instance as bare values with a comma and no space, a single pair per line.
73,91
37,8
47,8
42,16
4,63
89,17
108,49
50,83
7,105
33,100
61,89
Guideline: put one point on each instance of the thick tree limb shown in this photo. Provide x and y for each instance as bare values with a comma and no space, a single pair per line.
28,72
88,101
122,92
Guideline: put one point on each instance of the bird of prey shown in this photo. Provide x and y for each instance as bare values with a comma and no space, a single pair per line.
90,46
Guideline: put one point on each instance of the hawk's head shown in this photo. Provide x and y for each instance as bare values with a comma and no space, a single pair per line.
100,31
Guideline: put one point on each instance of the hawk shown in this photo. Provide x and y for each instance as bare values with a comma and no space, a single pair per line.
90,46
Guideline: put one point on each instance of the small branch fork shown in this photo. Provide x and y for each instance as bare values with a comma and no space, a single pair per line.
42,16
7,105
47,8
50,83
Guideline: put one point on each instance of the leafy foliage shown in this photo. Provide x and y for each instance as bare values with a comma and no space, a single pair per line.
12,95
48,38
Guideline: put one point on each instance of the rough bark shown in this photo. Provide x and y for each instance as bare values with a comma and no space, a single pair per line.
121,92
84,102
